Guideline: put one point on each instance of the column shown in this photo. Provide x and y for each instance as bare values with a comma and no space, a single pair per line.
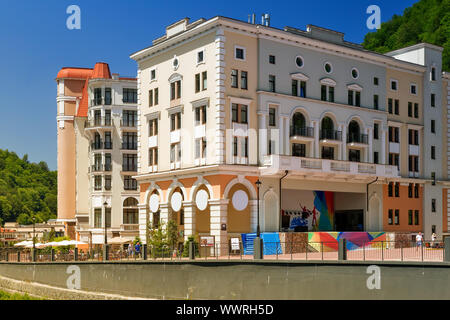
383,145
281,135
287,150
189,219
262,137
164,214
254,215
316,153
343,156
370,149
144,222
218,214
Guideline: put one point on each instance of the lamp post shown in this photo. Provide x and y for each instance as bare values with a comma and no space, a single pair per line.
106,237
34,233
258,246
105,246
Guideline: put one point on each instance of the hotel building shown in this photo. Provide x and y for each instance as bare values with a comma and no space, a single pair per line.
97,154
342,139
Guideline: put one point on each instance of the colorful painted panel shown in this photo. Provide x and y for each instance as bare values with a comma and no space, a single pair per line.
355,240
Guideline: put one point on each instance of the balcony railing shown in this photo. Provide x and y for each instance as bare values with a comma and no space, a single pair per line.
331,135
101,101
129,227
129,146
128,123
358,138
100,167
101,145
130,184
98,122
302,132
328,166
129,168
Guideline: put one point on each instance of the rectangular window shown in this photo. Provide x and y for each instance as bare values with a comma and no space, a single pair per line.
175,121
394,159
410,109
153,156
397,106
272,83
294,87
108,99
433,178
204,80
98,183
375,101
303,89
375,81
153,127
200,56
150,98
397,216
375,157
354,155
271,59
433,205
239,53
244,80
433,100
410,190
234,112
234,78
272,119
413,89
433,126
416,110
416,191
328,153
390,217
433,152
129,183
331,94
235,146
129,95
175,152
98,218
108,182
410,217
243,114
323,93
200,115
156,96
108,217
200,148
390,189
298,150
246,147
390,105
153,74
397,189
350,97
413,163
416,217
375,131
357,98
433,74
129,162
394,85
175,90
197,82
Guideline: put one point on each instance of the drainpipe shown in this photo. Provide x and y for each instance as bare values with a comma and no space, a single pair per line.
367,195
285,174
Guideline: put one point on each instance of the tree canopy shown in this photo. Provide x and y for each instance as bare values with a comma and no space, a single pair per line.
26,190
426,21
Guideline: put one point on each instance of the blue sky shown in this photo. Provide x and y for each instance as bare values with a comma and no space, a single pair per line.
35,44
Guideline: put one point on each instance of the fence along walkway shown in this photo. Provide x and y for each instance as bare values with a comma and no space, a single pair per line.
283,251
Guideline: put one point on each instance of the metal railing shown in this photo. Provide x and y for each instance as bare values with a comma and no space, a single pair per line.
330,135
302,132
130,123
406,251
129,145
98,122
101,145
358,138
100,167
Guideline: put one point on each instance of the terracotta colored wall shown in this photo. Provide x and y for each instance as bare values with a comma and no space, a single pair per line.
73,88
238,221
404,204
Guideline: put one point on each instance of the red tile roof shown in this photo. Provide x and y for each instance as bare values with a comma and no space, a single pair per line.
100,71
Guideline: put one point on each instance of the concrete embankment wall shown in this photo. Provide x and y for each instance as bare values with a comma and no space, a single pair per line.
238,280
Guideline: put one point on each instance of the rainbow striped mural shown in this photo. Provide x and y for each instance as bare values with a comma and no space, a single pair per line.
355,240
324,203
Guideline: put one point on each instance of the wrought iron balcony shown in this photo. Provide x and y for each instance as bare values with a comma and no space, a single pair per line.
331,135
302,132
358,138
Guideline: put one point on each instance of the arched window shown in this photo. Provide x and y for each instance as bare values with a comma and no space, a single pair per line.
130,211
327,129
354,132
298,124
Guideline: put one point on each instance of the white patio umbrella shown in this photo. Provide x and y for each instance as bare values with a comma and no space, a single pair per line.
36,245
23,243
75,242
118,240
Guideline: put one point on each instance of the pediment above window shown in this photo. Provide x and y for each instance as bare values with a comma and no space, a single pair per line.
328,82
354,87
299,76
175,77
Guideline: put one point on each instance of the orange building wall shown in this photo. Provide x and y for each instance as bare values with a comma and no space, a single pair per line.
404,204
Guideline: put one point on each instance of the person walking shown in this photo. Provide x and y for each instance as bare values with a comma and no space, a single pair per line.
433,239
137,249
130,251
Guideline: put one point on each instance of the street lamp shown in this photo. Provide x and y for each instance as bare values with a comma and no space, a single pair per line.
34,233
258,230
258,250
106,238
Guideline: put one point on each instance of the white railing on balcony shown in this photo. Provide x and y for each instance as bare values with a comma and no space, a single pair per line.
325,165
129,227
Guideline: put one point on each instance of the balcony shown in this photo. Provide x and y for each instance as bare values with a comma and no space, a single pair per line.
307,132
100,168
101,145
332,135
129,146
129,227
358,138
100,101
128,124
326,168
129,168
98,122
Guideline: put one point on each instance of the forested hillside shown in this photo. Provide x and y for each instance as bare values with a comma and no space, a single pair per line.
426,21
26,189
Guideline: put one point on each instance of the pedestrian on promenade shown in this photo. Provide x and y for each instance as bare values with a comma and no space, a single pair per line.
137,249
419,240
130,250
433,239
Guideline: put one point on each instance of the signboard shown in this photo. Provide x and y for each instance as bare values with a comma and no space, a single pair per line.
207,241
235,244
